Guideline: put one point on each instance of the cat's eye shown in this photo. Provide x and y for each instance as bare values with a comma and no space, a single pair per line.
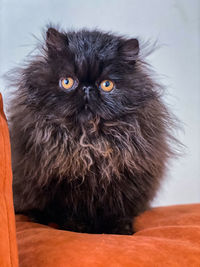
106,85
66,83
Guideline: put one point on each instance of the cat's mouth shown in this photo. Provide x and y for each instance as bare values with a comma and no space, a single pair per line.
85,113
87,107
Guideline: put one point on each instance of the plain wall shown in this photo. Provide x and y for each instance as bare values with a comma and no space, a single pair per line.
175,24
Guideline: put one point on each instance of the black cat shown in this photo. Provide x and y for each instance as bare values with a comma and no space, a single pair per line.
90,134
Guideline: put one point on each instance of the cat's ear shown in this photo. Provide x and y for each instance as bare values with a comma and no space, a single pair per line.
129,49
55,40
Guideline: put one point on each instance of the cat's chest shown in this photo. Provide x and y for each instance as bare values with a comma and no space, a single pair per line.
75,154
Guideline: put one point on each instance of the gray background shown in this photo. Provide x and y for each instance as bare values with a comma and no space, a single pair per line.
175,24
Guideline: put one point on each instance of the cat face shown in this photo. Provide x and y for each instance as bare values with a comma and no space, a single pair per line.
87,74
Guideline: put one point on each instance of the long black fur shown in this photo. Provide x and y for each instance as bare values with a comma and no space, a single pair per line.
88,166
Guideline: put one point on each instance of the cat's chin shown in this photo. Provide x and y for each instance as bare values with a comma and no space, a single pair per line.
85,114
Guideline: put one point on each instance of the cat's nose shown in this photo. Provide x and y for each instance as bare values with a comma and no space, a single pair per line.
87,90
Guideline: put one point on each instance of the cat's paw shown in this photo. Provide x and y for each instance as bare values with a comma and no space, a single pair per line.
126,229
122,226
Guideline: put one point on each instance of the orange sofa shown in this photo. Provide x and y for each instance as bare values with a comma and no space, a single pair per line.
165,236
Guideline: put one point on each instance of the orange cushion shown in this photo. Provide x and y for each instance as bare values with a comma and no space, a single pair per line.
166,236
8,247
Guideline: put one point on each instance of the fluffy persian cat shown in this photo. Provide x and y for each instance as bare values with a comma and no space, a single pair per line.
90,134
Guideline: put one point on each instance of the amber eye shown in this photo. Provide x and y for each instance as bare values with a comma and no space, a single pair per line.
106,85
66,83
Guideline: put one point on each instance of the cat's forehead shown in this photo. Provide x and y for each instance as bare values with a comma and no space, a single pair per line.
92,51
93,43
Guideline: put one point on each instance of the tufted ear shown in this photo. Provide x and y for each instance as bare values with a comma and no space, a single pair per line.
129,49
55,40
